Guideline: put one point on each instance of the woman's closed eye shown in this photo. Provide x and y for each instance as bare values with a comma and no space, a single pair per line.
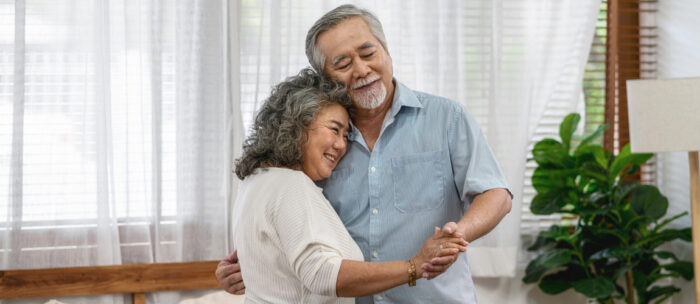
336,131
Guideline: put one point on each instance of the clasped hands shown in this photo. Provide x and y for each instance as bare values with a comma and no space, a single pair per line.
440,251
431,260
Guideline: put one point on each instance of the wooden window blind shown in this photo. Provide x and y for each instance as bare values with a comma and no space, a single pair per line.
631,50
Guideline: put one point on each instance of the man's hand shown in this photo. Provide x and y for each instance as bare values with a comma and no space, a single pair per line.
228,273
450,228
438,265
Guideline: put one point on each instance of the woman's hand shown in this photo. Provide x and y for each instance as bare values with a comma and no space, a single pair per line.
440,247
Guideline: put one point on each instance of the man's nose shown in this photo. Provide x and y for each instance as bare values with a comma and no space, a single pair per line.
362,69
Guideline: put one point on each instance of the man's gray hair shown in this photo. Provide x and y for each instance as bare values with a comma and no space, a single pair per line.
331,19
280,128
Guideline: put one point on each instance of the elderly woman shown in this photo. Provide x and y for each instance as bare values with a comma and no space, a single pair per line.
292,246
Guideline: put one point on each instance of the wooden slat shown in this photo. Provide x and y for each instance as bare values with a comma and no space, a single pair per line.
135,278
622,63
139,298
695,215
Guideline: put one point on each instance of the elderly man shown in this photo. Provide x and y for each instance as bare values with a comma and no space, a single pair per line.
414,161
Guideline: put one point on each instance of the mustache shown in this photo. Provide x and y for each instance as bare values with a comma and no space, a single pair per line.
364,81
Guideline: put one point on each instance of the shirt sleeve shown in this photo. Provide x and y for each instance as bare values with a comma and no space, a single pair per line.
306,230
474,166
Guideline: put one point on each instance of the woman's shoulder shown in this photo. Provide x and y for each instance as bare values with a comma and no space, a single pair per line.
280,174
282,180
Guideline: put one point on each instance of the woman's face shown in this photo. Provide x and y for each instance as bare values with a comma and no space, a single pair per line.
326,142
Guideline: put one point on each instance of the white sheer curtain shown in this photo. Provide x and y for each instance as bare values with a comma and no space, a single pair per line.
678,42
513,63
115,132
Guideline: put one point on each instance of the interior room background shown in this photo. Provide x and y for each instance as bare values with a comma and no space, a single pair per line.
120,120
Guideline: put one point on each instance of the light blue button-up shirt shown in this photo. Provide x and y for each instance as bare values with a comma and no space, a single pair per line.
429,161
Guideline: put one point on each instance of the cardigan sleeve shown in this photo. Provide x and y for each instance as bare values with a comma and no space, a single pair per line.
305,221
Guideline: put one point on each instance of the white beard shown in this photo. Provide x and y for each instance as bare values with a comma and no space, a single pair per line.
372,98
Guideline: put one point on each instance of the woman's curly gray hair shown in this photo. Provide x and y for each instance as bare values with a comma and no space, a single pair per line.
280,128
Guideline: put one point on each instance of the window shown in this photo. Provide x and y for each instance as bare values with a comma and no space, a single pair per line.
592,110
631,26
81,123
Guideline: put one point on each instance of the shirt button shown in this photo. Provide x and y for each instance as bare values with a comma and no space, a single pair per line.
373,169
378,297
375,254
375,211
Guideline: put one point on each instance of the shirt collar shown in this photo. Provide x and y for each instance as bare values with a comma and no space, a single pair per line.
403,97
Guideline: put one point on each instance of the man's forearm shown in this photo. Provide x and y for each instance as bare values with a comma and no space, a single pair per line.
485,212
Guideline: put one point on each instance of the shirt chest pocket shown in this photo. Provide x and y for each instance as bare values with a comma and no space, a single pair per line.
419,182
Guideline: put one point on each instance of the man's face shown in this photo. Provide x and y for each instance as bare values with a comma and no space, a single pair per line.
355,57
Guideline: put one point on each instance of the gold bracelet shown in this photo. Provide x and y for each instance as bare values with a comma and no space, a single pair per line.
411,273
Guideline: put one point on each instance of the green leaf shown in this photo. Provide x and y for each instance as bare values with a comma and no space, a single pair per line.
682,268
548,202
553,258
600,287
592,210
654,240
533,273
624,190
686,234
669,220
547,179
555,283
558,233
630,223
624,252
567,128
640,283
592,152
546,261
541,242
619,161
550,152
648,201
626,158
658,291
665,255
664,298
593,170
596,134
602,232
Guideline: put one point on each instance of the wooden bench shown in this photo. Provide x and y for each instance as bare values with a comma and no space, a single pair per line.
136,279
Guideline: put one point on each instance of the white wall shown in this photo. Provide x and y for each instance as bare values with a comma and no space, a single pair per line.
679,56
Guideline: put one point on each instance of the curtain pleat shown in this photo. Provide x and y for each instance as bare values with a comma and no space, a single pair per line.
16,177
122,121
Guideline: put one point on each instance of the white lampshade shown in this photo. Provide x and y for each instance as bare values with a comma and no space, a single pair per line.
664,115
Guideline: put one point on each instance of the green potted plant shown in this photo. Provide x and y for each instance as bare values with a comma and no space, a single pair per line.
611,249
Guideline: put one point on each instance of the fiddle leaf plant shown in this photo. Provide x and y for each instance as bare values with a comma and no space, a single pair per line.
613,250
